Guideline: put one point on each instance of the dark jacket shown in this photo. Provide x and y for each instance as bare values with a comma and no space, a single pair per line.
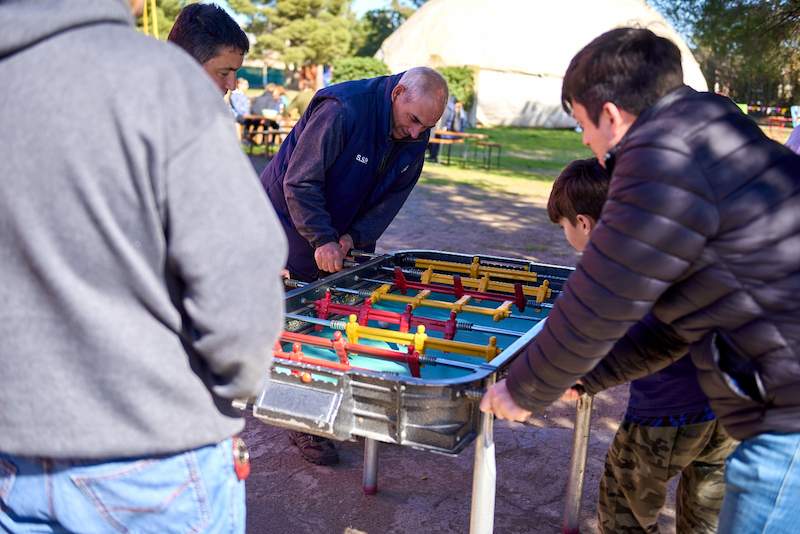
698,247
340,172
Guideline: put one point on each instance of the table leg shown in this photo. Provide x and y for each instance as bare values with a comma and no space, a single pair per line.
484,476
577,465
370,477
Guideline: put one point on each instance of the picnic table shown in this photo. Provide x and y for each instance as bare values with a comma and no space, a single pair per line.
260,130
476,140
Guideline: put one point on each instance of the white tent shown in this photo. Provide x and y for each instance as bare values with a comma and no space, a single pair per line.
519,49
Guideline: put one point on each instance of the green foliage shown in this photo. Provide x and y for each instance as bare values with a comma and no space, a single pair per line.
748,49
357,68
373,28
303,32
166,13
376,25
461,82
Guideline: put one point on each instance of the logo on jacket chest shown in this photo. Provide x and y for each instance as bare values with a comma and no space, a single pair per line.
362,159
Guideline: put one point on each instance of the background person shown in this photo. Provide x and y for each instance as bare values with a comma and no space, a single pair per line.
213,39
301,100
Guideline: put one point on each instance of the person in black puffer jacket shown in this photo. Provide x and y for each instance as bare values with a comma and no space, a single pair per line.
698,249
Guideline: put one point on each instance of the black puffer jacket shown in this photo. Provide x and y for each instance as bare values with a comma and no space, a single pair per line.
698,247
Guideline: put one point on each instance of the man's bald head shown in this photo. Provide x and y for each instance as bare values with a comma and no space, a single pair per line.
418,102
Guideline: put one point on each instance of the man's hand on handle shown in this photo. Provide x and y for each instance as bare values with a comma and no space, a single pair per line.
330,256
498,401
574,392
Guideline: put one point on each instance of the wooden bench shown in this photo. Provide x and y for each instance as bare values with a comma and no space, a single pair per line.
488,147
448,142
259,130
477,140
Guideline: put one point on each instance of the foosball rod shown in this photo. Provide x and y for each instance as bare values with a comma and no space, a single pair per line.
436,288
481,284
440,325
507,287
482,261
423,358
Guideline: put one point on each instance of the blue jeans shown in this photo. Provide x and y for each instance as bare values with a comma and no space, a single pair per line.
762,493
193,491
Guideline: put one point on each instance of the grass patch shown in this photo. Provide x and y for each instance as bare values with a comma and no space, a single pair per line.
535,156
527,153
443,176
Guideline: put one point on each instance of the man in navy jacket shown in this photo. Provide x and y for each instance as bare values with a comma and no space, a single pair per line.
344,172
349,164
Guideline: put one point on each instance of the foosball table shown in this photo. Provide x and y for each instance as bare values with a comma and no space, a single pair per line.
399,348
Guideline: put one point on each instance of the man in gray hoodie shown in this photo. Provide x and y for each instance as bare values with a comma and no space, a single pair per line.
140,289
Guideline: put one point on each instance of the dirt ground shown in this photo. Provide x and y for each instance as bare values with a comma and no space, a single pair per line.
422,492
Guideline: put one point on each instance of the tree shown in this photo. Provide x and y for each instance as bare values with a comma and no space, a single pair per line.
302,32
376,25
746,49
460,83
358,68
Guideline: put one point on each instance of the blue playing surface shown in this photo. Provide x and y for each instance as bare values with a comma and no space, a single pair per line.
432,372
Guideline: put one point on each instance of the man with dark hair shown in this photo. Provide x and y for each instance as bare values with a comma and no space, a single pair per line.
344,172
213,39
696,250
667,408
140,288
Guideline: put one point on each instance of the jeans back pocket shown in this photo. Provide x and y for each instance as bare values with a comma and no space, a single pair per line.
160,495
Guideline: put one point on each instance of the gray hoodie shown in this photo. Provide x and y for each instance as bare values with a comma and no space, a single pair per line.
139,287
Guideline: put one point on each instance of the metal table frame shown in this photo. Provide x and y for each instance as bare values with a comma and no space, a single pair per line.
438,415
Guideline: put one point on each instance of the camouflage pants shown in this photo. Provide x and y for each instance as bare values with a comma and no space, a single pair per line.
642,460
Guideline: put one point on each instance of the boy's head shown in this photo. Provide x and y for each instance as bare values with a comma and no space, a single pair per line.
577,199
615,78
212,38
